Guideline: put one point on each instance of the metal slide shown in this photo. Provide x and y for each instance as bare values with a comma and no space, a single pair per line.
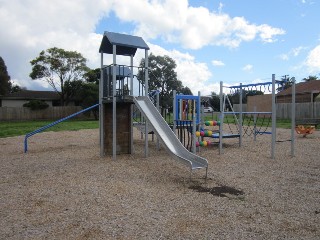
166,135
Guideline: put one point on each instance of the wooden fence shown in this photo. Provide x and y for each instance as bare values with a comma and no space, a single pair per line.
303,110
50,113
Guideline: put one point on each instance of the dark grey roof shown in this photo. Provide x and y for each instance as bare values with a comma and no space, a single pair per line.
32,95
126,44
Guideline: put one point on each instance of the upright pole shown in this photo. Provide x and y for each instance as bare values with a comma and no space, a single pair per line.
194,137
131,75
293,115
174,111
199,117
158,107
255,123
240,116
146,153
131,107
274,117
114,104
101,110
221,117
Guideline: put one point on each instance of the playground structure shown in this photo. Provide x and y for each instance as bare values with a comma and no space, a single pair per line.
116,99
192,121
259,86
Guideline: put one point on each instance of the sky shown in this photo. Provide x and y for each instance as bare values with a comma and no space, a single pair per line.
211,41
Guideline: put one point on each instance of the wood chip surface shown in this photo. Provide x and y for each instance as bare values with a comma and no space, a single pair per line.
62,189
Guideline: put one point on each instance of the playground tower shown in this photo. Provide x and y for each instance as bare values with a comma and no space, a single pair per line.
116,92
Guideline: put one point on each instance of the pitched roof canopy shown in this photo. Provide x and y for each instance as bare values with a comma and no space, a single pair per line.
303,87
127,45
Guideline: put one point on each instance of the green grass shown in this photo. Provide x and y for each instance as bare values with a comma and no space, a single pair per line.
10,129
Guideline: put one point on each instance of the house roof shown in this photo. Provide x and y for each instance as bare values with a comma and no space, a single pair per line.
32,95
303,87
125,44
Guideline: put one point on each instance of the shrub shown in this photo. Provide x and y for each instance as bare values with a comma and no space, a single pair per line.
36,104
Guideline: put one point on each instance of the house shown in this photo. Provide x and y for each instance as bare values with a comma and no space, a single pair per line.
306,92
17,99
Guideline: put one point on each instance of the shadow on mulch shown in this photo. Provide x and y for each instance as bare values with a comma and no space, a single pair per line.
220,191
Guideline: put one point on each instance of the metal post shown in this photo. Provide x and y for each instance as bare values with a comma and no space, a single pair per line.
221,118
174,111
293,115
194,137
101,110
131,75
146,152
199,115
114,104
274,117
240,116
131,107
158,107
255,123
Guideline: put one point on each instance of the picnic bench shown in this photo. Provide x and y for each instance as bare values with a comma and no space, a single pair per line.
306,126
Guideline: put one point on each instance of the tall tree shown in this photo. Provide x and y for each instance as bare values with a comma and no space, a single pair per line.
5,84
186,91
286,83
310,78
163,77
90,90
59,68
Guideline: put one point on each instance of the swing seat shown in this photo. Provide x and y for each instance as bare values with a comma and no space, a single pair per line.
305,130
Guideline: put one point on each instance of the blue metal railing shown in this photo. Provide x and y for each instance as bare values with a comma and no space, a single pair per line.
52,124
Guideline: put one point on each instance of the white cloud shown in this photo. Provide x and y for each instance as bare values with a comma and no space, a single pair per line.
247,68
30,26
221,5
194,27
217,63
195,75
313,60
294,52
284,57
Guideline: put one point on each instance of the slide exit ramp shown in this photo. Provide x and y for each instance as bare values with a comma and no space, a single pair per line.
167,136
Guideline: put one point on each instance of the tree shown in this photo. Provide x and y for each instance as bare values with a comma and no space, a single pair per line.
186,91
162,76
215,101
89,93
36,105
310,78
93,76
5,84
287,82
235,97
60,69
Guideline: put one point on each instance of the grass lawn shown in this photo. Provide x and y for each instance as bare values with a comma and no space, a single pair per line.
10,129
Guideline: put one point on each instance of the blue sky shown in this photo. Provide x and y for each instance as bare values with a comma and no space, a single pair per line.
211,41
